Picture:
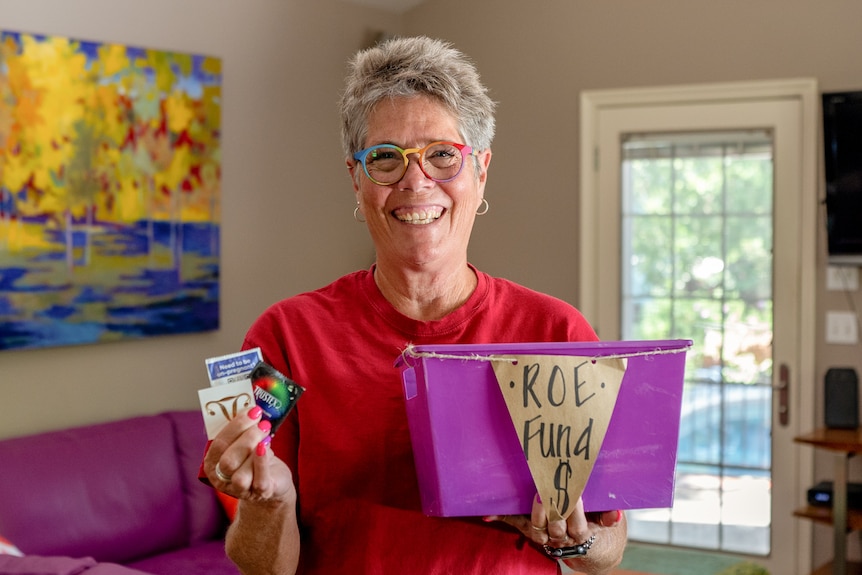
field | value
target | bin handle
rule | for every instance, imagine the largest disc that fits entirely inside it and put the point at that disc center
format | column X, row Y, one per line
column 409, row 378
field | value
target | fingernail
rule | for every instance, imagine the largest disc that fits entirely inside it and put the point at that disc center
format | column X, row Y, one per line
column 264, row 425
column 617, row 520
column 538, row 499
column 254, row 412
column 260, row 450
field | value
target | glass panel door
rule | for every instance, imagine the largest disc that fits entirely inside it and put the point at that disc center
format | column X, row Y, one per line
column 697, row 263
column 692, row 252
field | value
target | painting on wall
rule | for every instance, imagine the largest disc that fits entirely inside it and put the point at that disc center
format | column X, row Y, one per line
column 110, row 179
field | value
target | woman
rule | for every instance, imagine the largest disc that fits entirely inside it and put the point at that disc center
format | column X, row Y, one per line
column 336, row 490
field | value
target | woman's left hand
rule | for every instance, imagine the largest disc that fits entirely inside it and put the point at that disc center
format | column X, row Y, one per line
column 603, row 533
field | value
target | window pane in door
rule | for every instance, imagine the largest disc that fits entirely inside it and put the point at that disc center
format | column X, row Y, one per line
column 697, row 264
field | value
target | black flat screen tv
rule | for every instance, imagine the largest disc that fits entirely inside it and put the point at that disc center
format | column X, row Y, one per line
column 842, row 147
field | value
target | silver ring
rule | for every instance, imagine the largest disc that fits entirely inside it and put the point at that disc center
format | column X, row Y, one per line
column 221, row 474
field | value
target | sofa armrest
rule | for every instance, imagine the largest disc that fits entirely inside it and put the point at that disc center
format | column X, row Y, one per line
column 44, row 565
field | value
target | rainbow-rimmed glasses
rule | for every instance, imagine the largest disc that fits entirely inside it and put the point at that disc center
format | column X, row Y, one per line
column 386, row 164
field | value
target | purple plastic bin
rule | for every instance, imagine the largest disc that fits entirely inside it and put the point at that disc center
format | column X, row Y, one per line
column 468, row 455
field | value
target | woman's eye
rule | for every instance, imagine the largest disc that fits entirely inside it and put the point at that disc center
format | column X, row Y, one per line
column 383, row 155
column 443, row 152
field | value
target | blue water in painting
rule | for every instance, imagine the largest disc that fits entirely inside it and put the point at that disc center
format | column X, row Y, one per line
column 110, row 283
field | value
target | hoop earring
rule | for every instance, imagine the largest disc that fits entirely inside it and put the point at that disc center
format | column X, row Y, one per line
column 483, row 208
column 357, row 213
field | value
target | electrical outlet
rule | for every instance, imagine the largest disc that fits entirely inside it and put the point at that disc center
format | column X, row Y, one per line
column 842, row 278
column 841, row 327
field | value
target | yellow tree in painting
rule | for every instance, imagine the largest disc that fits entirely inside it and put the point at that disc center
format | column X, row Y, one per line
column 83, row 133
column 48, row 81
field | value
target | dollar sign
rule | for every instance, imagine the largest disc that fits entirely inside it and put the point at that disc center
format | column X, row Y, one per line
column 561, row 482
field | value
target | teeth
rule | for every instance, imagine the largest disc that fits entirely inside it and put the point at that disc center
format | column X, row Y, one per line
column 419, row 217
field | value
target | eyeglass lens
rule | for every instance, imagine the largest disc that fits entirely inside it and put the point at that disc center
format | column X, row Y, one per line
column 439, row 161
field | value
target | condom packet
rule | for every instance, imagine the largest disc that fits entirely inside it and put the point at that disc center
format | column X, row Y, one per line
column 232, row 367
column 236, row 380
column 274, row 393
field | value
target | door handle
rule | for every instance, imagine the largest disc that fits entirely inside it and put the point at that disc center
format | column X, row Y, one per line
column 783, row 388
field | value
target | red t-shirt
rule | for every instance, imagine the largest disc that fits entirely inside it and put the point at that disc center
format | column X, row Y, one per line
column 347, row 440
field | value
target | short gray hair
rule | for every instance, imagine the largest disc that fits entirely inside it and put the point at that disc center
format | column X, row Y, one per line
column 415, row 66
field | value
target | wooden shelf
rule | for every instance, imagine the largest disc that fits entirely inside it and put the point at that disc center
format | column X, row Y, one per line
column 852, row 569
column 845, row 440
column 822, row 514
column 844, row 443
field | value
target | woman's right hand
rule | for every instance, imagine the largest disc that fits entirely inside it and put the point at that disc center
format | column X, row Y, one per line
column 240, row 463
column 264, row 536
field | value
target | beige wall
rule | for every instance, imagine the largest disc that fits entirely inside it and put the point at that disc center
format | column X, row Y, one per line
column 537, row 58
column 282, row 233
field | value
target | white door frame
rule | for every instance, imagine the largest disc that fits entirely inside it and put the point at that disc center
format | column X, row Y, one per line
column 803, row 90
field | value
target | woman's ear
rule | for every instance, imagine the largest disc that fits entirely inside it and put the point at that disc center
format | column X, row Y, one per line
column 484, row 162
column 354, row 175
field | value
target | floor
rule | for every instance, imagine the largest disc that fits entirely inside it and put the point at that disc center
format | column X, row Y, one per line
column 646, row 559
column 732, row 515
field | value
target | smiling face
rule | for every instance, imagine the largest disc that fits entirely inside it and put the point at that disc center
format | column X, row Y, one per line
column 418, row 222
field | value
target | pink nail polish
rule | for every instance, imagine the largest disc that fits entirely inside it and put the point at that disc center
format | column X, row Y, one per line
column 260, row 450
column 254, row 412
column 264, row 425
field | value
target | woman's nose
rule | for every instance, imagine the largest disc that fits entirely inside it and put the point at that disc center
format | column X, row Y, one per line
column 414, row 175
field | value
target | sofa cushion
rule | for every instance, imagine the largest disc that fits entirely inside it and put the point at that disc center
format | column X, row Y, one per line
column 208, row 558
column 112, row 491
column 36, row 565
column 207, row 519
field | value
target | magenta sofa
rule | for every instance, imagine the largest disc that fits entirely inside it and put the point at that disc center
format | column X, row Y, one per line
column 116, row 498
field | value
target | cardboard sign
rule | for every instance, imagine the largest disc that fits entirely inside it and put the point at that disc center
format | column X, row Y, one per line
column 561, row 407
